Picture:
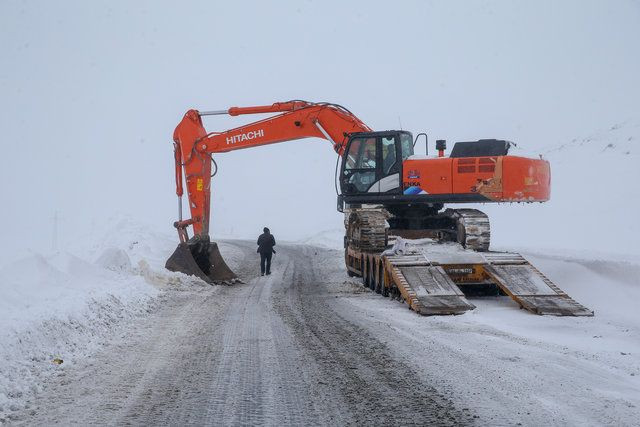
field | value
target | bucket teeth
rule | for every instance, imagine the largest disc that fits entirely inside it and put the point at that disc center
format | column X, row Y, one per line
column 203, row 260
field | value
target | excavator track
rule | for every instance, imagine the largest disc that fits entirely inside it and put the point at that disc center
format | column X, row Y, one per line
column 474, row 231
column 366, row 229
column 468, row 227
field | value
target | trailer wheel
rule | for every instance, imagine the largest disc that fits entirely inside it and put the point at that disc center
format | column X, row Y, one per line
column 363, row 268
column 372, row 275
column 379, row 278
column 348, row 264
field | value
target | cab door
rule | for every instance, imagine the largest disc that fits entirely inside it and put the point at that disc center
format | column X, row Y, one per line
column 388, row 178
column 373, row 164
column 359, row 165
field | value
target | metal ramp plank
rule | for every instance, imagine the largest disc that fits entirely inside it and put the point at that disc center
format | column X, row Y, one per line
column 430, row 281
column 522, row 280
column 429, row 290
column 556, row 305
column 504, row 258
column 444, row 304
column 533, row 290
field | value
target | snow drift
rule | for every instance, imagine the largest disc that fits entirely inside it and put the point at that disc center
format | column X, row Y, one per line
column 65, row 306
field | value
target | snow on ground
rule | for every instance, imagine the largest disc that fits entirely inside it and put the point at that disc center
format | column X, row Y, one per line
column 329, row 239
column 66, row 305
column 583, row 371
column 609, row 288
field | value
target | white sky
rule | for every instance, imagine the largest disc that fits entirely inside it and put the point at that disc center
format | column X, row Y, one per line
column 91, row 93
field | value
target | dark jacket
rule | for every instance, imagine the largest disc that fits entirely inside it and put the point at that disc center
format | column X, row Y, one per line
column 266, row 242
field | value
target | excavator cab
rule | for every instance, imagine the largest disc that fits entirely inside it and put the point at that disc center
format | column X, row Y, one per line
column 372, row 162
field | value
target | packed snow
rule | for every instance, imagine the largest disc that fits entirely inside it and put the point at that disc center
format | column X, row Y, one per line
column 518, row 365
column 65, row 306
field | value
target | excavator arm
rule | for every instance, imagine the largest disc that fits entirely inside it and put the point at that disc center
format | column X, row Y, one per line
column 194, row 146
column 193, row 150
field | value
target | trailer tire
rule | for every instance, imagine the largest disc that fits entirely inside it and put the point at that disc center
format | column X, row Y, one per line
column 379, row 274
column 372, row 275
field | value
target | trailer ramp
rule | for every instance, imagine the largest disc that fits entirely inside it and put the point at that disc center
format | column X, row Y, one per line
column 526, row 285
column 422, row 271
column 425, row 287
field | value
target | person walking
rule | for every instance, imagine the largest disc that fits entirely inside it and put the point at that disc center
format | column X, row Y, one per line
column 266, row 242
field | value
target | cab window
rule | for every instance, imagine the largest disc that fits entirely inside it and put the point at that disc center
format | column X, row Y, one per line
column 362, row 154
column 406, row 142
column 388, row 153
column 360, row 167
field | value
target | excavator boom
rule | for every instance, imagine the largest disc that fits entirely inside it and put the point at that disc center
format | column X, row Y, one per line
column 298, row 119
column 193, row 149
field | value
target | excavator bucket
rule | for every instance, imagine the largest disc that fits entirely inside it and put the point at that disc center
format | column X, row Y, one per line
column 201, row 259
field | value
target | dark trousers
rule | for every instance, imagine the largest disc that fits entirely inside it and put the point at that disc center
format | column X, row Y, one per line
column 265, row 257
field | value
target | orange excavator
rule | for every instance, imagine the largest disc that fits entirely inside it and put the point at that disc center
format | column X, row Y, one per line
column 385, row 188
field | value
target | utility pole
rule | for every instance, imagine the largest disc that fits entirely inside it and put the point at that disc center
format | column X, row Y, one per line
column 54, row 238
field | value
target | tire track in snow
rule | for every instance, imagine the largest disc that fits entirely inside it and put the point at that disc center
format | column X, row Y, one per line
column 272, row 351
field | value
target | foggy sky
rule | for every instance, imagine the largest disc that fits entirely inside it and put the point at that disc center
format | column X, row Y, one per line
column 91, row 93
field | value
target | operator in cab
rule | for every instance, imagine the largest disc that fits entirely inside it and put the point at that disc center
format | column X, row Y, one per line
column 266, row 242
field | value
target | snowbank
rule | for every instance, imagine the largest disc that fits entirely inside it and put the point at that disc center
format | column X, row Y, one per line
column 610, row 288
column 65, row 306
column 329, row 239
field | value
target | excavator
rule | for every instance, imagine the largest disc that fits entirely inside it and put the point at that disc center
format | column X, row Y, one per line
column 390, row 197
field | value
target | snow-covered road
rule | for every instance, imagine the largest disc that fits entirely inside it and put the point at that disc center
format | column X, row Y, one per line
column 270, row 351
column 308, row 346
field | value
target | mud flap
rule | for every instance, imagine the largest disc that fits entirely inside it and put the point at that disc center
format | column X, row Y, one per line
column 201, row 259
